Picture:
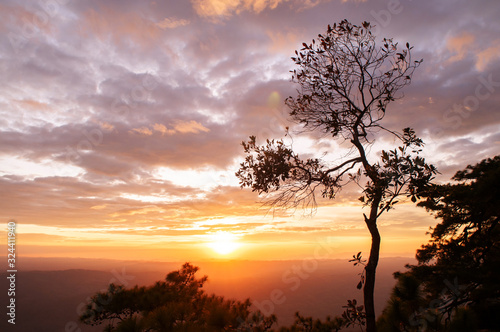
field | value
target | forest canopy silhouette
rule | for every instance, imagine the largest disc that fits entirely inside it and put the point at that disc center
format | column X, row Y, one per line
column 176, row 304
column 455, row 285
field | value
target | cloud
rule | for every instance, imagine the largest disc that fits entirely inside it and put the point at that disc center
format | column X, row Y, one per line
column 218, row 9
column 460, row 45
column 106, row 126
column 467, row 44
column 142, row 131
column 171, row 23
column 215, row 7
column 33, row 105
column 281, row 41
column 190, row 127
column 24, row 22
column 105, row 24
column 489, row 55
column 162, row 129
column 182, row 127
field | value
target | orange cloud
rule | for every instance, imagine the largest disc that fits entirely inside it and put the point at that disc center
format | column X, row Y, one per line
column 162, row 129
column 459, row 46
column 99, row 207
column 142, row 131
column 486, row 56
column 183, row 127
column 106, row 126
column 464, row 43
column 259, row 5
column 225, row 8
column 208, row 8
column 33, row 104
column 170, row 23
column 190, row 127
column 138, row 211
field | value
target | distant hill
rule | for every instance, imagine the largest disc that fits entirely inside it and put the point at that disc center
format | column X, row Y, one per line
column 49, row 300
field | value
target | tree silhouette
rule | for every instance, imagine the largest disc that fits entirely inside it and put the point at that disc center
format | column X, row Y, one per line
column 346, row 82
column 176, row 304
column 407, row 297
column 308, row 324
column 459, row 268
column 352, row 316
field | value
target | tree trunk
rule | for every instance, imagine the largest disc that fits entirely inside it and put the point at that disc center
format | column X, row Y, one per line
column 371, row 223
column 370, row 269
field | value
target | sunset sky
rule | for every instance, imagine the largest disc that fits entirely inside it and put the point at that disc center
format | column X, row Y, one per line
column 122, row 122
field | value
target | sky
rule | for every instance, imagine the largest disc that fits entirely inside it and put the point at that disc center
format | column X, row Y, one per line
column 122, row 121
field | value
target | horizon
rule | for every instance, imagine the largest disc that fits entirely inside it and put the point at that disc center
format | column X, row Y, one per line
column 74, row 263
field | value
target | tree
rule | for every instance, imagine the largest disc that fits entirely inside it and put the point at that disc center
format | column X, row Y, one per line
column 345, row 85
column 406, row 298
column 308, row 324
column 352, row 316
column 458, row 270
column 177, row 304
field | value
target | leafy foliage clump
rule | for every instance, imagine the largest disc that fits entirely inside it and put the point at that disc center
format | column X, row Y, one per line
column 176, row 304
column 455, row 282
column 347, row 80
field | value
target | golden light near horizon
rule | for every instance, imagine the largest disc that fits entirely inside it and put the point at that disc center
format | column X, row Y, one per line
column 224, row 243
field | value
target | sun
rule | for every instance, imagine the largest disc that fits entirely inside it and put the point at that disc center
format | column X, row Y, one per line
column 223, row 243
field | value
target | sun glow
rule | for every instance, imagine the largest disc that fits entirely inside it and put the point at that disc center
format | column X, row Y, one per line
column 223, row 243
